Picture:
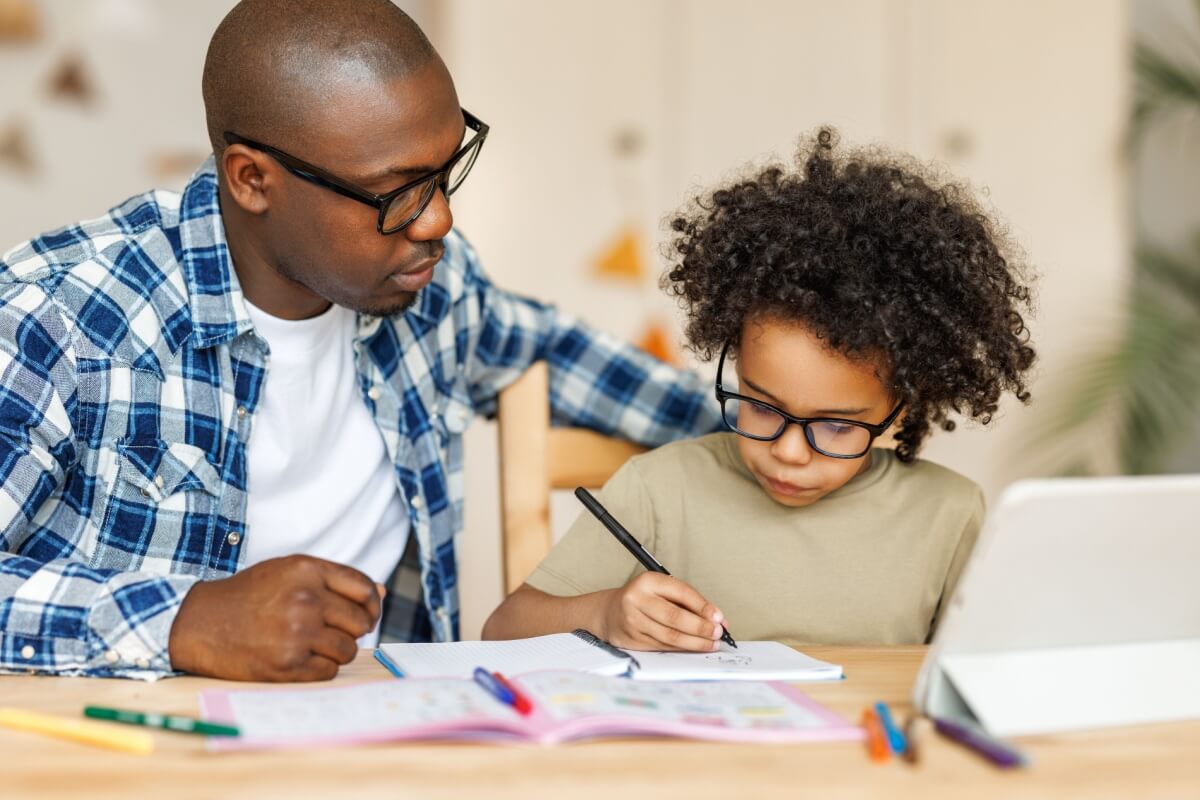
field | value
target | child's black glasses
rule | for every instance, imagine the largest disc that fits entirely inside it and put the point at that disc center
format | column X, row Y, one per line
column 829, row 436
column 400, row 207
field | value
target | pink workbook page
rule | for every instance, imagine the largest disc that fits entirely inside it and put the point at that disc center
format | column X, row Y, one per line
column 567, row 706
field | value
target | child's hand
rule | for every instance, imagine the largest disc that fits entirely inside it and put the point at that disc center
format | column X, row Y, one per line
column 658, row 612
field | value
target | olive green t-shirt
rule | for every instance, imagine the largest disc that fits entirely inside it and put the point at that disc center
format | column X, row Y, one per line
column 868, row 564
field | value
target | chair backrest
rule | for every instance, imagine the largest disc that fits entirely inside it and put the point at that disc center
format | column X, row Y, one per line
column 535, row 459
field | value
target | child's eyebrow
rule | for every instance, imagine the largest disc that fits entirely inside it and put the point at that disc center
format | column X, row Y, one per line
column 761, row 390
column 820, row 412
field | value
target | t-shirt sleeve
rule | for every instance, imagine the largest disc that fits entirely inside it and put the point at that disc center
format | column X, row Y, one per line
column 588, row 558
column 962, row 553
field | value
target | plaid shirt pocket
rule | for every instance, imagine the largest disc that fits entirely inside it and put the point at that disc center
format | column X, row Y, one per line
column 158, row 469
column 162, row 489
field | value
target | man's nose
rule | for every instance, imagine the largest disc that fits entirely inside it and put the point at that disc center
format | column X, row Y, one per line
column 435, row 220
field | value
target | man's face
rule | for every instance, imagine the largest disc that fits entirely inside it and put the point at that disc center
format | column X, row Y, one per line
column 377, row 136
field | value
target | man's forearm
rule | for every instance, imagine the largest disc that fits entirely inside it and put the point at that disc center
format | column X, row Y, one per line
column 596, row 380
column 631, row 394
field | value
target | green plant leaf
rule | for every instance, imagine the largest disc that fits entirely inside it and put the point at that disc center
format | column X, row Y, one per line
column 1173, row 274
column 1159, row 393
column 1137, row 394
column 1143, row 390
column 1165, row 85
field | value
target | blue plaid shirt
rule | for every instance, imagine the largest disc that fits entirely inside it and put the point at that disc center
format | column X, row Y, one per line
column 129, row 378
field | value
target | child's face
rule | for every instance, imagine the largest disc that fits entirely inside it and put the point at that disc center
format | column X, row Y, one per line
column 787, row 366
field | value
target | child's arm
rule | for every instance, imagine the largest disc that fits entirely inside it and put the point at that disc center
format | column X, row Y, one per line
column 651, row 612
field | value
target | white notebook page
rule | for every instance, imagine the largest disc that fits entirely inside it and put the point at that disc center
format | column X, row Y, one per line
column 563, row 651
column 758, row 661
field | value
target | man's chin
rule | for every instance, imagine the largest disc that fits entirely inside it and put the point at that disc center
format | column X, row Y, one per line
column 392, row 307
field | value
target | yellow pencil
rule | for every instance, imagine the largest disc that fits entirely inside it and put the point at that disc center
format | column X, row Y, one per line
column 96, row 733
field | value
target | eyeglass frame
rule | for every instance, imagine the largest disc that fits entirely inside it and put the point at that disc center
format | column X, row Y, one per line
column 724, row 394
column 327, row 180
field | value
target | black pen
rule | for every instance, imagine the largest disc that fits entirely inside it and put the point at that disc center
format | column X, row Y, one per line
column 631, row 544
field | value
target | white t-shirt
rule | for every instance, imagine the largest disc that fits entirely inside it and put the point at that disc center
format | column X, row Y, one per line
column 320, row 479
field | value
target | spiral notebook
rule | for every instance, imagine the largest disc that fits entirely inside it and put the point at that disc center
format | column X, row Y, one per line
column 582, row 652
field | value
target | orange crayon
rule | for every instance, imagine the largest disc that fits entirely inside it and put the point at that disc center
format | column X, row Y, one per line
column 877, row 745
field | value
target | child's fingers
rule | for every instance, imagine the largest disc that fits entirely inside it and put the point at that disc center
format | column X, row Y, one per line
column 683, row 595
column 665, row 637
column 677, row 618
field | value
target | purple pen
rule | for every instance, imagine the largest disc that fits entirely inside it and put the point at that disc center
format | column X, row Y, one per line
column 999, row 753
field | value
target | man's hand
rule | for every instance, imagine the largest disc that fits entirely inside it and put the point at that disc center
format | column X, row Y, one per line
column 285, row 619
column 658, row 612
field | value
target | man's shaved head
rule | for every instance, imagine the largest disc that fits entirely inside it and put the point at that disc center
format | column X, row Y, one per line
column 355, row 88
column 270, row 61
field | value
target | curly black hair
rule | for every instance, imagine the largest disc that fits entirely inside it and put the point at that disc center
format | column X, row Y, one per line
column 876, row 256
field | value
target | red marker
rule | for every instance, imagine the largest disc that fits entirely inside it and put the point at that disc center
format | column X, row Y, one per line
column 520, row 701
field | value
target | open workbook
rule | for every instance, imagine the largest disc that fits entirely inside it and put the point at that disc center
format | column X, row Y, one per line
column 565, row 706
column 751, row 661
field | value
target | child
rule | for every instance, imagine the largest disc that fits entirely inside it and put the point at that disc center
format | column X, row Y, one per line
column 854, row 295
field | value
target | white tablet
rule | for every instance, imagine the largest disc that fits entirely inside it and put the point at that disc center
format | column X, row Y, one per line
column 1079, row 608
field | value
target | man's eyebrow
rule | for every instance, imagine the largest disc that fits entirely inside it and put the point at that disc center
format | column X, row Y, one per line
column 820, row 412
column 411, row 172
column 399, row 172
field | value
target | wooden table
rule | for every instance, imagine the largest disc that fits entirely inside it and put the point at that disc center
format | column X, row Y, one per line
column 1151, row 761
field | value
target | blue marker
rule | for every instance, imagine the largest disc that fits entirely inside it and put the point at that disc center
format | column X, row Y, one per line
column 895, row 738
column 493, row 687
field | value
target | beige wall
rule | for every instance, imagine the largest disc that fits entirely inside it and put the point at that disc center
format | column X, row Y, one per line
column 144, row 59
column 1024, row 98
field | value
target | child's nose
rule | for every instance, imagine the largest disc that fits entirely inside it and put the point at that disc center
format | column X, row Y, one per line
column 792, row 447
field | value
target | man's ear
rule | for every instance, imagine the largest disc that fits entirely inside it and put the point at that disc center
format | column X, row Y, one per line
column 249, row 174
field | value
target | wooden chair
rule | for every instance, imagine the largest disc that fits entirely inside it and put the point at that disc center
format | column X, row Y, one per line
column 535, row 459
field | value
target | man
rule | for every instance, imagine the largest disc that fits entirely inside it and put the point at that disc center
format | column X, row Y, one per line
column 225, row 414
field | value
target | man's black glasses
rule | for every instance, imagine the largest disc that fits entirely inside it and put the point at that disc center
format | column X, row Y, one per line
column 400, row 207
column 829, row 436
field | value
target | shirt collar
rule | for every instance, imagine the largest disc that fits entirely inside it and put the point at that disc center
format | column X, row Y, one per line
column 218, row 307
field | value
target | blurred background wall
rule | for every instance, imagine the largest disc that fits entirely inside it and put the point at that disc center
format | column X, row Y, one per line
column 1165, row 154
column 607, row 116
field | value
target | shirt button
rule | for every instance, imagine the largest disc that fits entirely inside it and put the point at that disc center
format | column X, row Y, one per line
column 441, row 614
column 27, row 652
column 111, row 656
column 416, row 501
column 241, row 412
column 373, row 393
column 158, row 481
column 233, row 538
column 143, row 663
